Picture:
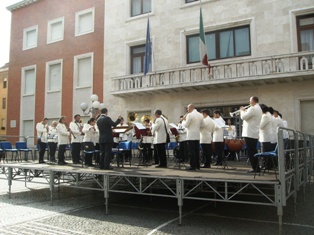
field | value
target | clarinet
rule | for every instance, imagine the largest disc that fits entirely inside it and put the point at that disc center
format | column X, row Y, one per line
column 69, row 129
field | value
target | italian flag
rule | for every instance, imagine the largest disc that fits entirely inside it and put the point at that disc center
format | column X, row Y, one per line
column 202, row 43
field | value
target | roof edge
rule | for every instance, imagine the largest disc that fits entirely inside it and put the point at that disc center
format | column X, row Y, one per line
column 21, row 4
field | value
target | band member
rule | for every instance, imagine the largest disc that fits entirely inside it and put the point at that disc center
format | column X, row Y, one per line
column 53, row 140
column 218, row 137
column 147, row 142
column 105, row 125
column 160, row 130
column 182, row 139
column 42, row 134
column 251, row 120
column 63, row 139
column 91, row 133
column 76, row 139
column 206, row 138
column 194, row 122
column 231, row 133
column 265, row 134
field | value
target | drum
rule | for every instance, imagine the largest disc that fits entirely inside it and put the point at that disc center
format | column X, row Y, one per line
column 234, row 145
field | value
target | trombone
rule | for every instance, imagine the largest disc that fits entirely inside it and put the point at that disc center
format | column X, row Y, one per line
column 237, row 112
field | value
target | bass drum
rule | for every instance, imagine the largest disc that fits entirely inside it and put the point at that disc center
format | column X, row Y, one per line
column 234, row 145
column 176, row 152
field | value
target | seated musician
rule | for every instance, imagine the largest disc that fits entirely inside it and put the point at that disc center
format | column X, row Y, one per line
column 231, row 133
column 182, row 139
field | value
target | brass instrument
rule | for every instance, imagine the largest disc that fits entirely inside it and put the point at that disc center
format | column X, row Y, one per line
column 132, row 117
column 149, row 117
column 237, row 112
column 184, row 116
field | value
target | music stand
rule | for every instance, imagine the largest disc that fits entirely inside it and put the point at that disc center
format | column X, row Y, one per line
column 140, row 131
column 116, row 131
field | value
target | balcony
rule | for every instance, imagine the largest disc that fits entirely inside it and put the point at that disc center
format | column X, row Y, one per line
column 296, row 67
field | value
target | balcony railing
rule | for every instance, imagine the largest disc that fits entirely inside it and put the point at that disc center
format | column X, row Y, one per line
column 231, row 71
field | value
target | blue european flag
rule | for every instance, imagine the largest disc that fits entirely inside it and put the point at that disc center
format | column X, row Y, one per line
column 148, row 51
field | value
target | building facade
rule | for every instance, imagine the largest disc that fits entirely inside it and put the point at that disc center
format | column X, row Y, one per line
column 255, row 48
column 4, row 72
column 56, row 60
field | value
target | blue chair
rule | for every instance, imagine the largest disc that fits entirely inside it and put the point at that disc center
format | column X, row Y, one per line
column 2, row 156
column 272, row 155
column 135, row 149
column 170, row 147
column 6, row 146
column 120, row 152
column 22, row 148
column 88, row 148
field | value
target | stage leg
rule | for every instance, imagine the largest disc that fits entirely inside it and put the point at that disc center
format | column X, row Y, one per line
column 106, row 191
column 180, row 198
column 51, row 182
column 10, row 180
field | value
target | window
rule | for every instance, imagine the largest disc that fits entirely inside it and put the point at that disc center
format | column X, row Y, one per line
column 29, row 81
column 139, row 7
column 84, row 70
column 188, row 1
column 4, row 103
column 55, row 30
column 54, row 75
column 84, row 22
column 305, row 29
column 221, row 44
column 138, row 59
column 30, row 37
column 3, row 123
column 5, row 83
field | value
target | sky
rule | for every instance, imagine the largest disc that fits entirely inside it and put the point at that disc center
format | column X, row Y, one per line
column 5, row 28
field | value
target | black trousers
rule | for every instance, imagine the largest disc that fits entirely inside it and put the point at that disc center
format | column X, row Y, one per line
column 52, row 150
column 42, row 150
column 161, row 153
column 194, row 153
column 206, row 153
column 219, row 149
column 251, row 151
column 61, row 152
column 267, row 161
column 156, row 158
column 76, row 152
column 184, row 151
column 147, row 152
column 105, row 155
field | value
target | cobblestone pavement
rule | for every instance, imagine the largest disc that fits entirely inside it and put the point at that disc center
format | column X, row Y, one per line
column 83, row 212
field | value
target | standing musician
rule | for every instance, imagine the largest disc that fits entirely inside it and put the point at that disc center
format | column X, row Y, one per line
column 218, row 137
column 160, row 130
column 76, row 139
column 105, row 125
column 194, row 123
column 206, row 138
column 251, row 120
column 91, row 133
column 182, row 139
column 64, row 133
column 53, row 140
column 42, row 131
column 147, row 142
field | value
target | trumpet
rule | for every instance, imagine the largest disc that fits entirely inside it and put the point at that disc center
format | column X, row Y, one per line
column 184, row 116
column 237, row 112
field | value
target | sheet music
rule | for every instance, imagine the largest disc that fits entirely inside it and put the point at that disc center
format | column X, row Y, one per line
column 172, row 125
column 120, row 130
column 219, row 123
column 140, row 126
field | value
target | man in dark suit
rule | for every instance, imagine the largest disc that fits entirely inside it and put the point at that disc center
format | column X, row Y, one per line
column 105, row 125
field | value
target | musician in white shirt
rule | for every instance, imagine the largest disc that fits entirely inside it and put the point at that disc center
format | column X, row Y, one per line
column 194, row 123
column 91, row 134
column 63, row 139
column 42, row 134
column 147, row 142
column 206, row 138
column 183, row 143
column 218, row 137
column 160, row 129
column 251, row 120
column 52, row 140
column 76, row 138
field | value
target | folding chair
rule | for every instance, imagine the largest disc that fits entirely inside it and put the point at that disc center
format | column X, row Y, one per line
column 119, row 152
column 271, row 155
column 88, row 148
column 178, row 157
column 6, row 146
column 170, row 147
column 22, row 147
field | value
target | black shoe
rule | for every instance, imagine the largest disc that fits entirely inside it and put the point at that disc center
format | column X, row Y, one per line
column 42, row 162
column 218, row 164
column 205, row 166
column 160, row 166
column 253, row 171
column 90, row 164
column 191, row 169
column 108, row 168
column 61, row 163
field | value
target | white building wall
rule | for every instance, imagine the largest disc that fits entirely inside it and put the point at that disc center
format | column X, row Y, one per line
column 272, row 25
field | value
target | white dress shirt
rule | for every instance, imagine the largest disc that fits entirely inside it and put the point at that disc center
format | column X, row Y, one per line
column 42, row 132
column 193, row 124
column 76, row 128
column 182, row 131
column 53, row 134
column 63, row 134
column 251, row 120
column 218, row 135
column 159, row 130
column 266, row 128
column 91, row 133
column 207, row 131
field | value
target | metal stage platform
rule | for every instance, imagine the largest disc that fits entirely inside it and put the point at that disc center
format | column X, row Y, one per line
column 217, row 184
